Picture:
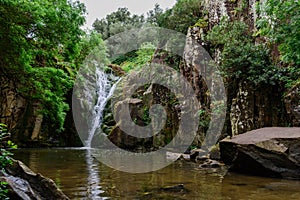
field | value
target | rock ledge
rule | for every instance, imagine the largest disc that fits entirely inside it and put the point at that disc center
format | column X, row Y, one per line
column 271, row 152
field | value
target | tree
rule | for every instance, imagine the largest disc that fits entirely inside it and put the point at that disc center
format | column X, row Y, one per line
column 154, row 15
column 280, row 23
column 185, row 13
column 241, row 59
column 117, row 22
column 91, row 43
column 39, row 44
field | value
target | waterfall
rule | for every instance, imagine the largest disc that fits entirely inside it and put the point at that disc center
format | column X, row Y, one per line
column 104, row 90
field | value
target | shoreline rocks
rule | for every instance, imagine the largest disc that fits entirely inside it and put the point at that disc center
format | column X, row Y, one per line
column 24, row 184
column 272, row 152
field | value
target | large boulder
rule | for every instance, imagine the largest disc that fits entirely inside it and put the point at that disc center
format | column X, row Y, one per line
column 271, row 152
column 24, row 184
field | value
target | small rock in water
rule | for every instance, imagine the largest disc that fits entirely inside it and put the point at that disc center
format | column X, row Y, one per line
column 176, row 156
column 185, row 157
column 197, row 153
column 201, row 159
column 211, row 164
column 214, row 153
column 175, row 188
column 172, row 156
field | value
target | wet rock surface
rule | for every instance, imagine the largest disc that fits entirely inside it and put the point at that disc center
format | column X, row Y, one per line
column 23, row 183
column 211, row 164
column 199, row 157
column 271, row 152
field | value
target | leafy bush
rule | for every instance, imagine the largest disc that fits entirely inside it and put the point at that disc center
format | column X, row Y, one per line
column 184, row 14
column 144, row 55
column 4, row 157
column 242, row 59
column 280, row 23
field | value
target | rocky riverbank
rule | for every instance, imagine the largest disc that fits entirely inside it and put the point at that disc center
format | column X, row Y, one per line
column 273, row 152
column 23, row 183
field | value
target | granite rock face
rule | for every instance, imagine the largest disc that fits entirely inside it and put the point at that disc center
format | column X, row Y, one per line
column 271, row 152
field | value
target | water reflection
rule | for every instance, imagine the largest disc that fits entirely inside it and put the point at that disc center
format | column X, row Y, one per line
column 93, row 180
column 81, row 176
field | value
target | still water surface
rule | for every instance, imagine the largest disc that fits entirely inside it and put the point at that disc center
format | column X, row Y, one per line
column 80, row 176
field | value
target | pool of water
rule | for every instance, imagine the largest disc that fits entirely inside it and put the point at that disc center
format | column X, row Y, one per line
column 80, row 176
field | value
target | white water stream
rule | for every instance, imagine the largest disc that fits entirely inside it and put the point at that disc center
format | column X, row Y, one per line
column 104, row 90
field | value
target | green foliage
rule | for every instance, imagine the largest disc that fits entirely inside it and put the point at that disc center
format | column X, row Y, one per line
column 280, row 23
column 184, row 14
column 204, row 119
column 3, row 190
column 117, row 22
column 39, row 47
column 144, row 55
column 202, row 23
column 130, row 56
column 241, row 58
column 293, row 76
column 92, row 43
column 146, row 117
column 4, row 157
column 154, row 15
column 122, row 20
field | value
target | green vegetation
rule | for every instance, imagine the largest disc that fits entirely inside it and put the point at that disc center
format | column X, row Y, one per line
column 280, row 24
column 154, row 15
column 4, row 157
column 143, row 56
column 241, row 58
column 39, row 44
column 122, row 20
column 184, row 14
column 204, row 119
column 117, row 22
column 42, row 47
column 91, row 44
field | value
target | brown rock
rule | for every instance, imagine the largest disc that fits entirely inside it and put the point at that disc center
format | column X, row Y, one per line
column 23, row 183
column 268, row 151
column 117, row 70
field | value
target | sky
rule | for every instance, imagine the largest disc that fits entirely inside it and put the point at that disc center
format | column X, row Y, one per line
column 100, row 8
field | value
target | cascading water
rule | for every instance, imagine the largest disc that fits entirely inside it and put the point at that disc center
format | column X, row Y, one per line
column 104, row 90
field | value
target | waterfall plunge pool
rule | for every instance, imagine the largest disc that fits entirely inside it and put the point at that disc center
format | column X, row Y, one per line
column 80, row 176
